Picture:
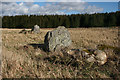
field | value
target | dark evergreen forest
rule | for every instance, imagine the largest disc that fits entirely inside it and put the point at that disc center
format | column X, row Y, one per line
column 70, row 21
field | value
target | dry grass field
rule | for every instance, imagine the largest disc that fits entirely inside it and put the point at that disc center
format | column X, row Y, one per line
column 23, row 55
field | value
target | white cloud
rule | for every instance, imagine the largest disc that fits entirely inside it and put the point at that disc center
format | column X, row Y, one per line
column 34, row 8
column 93, row 9
column 0, row 8
column 42, row 0
column 12, row 8
column 73, row 6
column 64, row 0
column 28, row 4
column 17, row 0
column 59, row 0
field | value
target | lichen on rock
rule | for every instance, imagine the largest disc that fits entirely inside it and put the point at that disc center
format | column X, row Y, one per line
column 57, row 39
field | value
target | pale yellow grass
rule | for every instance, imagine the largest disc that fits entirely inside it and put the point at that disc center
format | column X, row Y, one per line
column 18, row 61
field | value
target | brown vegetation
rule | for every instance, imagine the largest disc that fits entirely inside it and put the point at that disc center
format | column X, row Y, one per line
column 23, row 55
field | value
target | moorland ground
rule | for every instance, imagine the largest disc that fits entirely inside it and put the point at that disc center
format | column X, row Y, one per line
column 23, row 55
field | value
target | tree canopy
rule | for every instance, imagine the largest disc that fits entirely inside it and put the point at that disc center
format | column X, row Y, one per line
column 69, row 21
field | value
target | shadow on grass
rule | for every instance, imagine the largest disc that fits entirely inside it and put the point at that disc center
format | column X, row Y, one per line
column 41, row 46
column 66, row 60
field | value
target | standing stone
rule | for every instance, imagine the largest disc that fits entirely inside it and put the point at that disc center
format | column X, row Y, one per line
column 36, row 29
column 57, row 39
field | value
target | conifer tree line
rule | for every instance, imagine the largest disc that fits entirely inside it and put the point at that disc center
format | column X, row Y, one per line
column 70, row 21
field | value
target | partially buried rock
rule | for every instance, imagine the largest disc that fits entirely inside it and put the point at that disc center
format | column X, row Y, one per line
column 101, row 57
column 91, row 58
column 91, row 55
column 36, row 29
column 57, row 39
column 23, row 31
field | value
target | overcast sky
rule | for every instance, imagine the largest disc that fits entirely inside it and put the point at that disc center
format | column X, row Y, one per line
column 42, row 7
